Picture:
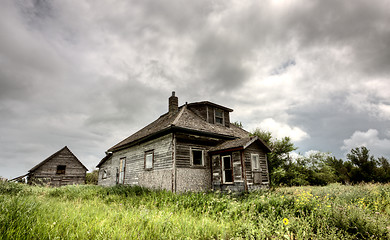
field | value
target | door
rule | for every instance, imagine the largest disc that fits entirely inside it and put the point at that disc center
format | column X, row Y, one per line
column 227, row 169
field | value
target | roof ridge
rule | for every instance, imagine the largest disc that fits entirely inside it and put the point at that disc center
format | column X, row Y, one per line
column 47, row 159
column 52, row 156
column 179, row 115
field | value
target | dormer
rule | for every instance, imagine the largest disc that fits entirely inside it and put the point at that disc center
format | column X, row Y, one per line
column 211, row 112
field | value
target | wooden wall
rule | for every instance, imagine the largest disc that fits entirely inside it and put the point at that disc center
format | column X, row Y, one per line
column 46, row 174
column 256, row 149
column 206, row 112
column 238, row 170
column 135, row 173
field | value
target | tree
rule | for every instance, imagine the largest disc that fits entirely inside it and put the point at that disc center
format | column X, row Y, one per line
column 92, row 177
column 341, row 169
column 279, row 156
column 383, row 171
column 238, row 124
column 365, row 165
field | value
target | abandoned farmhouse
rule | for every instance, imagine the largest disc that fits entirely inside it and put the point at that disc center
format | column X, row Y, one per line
column 193, row 147
column 60, row 169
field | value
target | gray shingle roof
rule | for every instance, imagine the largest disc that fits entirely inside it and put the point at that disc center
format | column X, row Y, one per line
column 184, row 118
column 240, row 143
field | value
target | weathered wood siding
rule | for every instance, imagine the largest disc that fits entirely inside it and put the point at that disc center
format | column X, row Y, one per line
column 206, row 112
column 192, row 178
column 200, row 110
column 47, row 173
column 135, row 173
column 256, row 149
column 238, row 179
column 111, row 167
column 226, row 118
column 183, row 154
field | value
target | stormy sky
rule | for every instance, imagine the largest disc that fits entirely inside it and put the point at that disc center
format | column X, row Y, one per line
column 87, row 74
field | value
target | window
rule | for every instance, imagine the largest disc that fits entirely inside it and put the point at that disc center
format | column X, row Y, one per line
column 227, row 169
column 256, row 169
column 122, row 167
column 255, row 162
column 197, row 157
column 61, row 169
column 104, row 174
column 149, row 159
column 218, row 116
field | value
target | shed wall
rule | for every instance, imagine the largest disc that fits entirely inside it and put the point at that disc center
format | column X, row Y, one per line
column 46, row 174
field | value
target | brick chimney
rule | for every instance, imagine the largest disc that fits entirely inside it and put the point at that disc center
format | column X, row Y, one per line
column 173, row 103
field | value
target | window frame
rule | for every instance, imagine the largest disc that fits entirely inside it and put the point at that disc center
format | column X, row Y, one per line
column 122, row 170
column 192, row 157
column 147, row 153
column 257, row 160
column 229, row 169
column 222, row 116
column 104, row 174
column 61, row 171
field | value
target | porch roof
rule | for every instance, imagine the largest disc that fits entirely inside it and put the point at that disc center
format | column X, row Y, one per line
column 239, row 144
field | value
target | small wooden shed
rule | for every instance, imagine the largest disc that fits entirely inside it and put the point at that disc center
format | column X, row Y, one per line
column 60, row 169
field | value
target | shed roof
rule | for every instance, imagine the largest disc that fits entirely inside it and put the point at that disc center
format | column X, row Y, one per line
column 183, row 119
column 54, row 155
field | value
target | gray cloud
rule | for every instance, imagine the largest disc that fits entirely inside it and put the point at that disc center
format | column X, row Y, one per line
column 87, row 74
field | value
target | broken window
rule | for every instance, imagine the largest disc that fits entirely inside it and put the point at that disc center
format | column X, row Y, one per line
column 256, row 169
column 149, row 159
column 61, row 169
column 197, row 157
column 104, row 174
column 255, row 162
column 227, row 169
column 122, row 167
column 218, row 116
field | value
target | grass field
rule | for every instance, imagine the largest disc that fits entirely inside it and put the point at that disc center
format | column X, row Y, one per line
column 93, row 212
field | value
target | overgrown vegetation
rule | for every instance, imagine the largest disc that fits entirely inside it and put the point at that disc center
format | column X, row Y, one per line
column 92, row 177
column 318, row 168
column 94, row 212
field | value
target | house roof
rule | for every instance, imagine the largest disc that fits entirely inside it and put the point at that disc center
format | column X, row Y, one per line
column 109, row 154
column 54, row 155
column 240, row 143
column 184, row 119
column 210, row 103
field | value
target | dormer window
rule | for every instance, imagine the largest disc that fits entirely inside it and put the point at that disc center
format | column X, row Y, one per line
column 218, row 116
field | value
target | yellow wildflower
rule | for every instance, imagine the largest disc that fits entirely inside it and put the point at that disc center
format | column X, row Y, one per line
column 285, row 221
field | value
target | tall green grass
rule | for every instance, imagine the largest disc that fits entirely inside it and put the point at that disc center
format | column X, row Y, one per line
column 94, row 212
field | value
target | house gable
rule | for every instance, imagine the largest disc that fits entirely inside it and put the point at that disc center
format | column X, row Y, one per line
column 232, row 167
column 61, row 168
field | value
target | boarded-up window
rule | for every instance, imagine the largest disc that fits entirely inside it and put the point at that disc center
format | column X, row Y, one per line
column 255, row 162
column 256, row 169
column 227, row 169
column 215, row 161
column 197, row 157
column 61, row 169
column 149, row 158
column 122, row 167
column 218, row 116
